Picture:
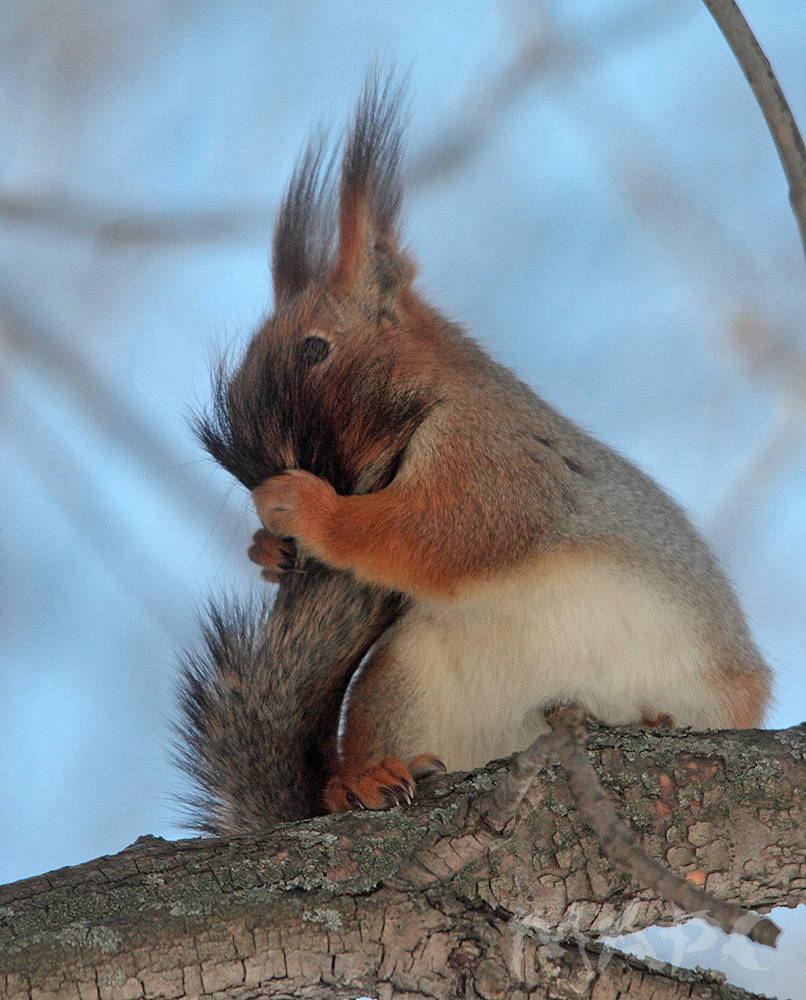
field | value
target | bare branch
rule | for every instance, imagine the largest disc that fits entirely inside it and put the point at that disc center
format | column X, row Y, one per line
column 500, row 806
column 779, row 117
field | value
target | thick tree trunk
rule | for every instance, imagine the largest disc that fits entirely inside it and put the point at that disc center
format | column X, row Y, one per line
column 411, row 902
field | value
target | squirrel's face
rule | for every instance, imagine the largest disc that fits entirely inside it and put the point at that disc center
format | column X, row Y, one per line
column 330, row 329
column 341, row 375
column 327, row 385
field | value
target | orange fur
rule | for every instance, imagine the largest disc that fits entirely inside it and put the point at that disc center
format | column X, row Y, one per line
column 745, row 694
column 381, row 537
column 429, row 533
column 270, row 552
column 373, row 786
column 352, row 238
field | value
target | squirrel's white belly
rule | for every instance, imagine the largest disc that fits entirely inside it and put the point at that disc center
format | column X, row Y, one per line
column 486, row 664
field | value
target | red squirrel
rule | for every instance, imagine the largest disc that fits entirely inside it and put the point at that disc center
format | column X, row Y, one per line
column 445, row 542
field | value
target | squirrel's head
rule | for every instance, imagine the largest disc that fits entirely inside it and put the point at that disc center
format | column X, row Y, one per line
column 339, row 377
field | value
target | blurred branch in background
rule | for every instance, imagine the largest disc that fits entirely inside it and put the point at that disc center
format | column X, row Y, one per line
column 758, row 341
column 136, row 206
column 118, row 227
column 768, row 356
column 542, row 55
column 86, row 504
column 67, row 370
column 74, row 486
column 539, row 56
column 729, row 286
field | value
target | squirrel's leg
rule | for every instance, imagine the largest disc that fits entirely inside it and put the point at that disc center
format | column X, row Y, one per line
column 381, row 537
column 377, row 765
column 274, row 554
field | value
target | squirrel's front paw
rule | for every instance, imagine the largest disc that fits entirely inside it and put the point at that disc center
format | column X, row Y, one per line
column 379, row 786
column 295, row 504
column 274, row 554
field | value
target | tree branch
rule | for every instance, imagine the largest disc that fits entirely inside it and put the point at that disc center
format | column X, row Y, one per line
column 355, row 905
column 770, row 96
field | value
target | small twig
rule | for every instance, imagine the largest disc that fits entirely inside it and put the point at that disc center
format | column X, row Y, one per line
column 776, row 110
column 500, row 806
column 565, row 744
column 621, row 848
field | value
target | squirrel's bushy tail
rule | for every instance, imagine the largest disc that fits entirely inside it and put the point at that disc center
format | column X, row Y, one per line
column 257, row 726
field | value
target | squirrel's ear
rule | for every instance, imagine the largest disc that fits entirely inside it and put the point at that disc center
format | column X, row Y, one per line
column 303, row 233
column 369, row 258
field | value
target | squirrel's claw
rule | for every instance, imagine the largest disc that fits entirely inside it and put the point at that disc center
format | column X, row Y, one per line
column 425, row 765
column 379, row 786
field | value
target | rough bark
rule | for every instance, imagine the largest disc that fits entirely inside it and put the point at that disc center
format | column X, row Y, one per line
column 359, row 905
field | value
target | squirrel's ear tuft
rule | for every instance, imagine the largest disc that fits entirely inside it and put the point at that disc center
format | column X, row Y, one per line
column 304, row 231
column 358, row 246
column 369, row 257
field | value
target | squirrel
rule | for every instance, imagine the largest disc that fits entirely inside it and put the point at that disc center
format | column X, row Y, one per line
column 453, row 556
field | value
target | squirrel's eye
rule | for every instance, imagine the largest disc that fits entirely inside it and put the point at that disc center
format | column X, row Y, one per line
column 314, row 350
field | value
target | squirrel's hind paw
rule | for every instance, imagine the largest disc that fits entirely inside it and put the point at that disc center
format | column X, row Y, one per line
column 661, row 721
column 375, row 787
column 379, row 786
